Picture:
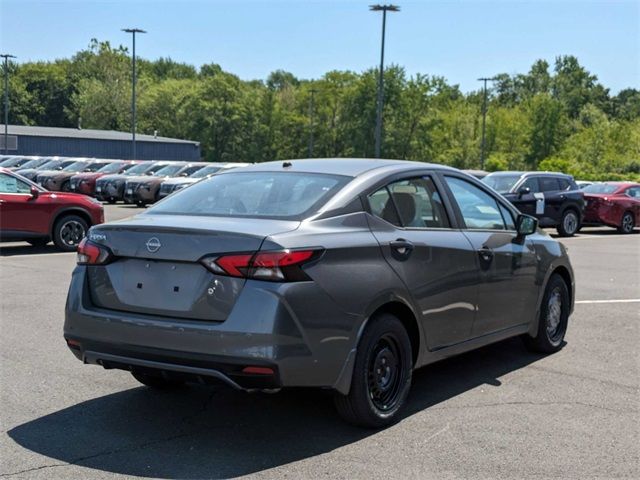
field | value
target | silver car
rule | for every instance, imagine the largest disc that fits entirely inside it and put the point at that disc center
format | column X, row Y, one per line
column 344, row 274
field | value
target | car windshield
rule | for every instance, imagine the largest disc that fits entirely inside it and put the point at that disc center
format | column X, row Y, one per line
column 32, row 163
column 139, row 169
column 500, row 182
column 14, row 162
column 111, row 167
column 75, row 167
column 600, row 188
column 168, row 171
column 203, row 172
column 285, row 195
column 95, row 166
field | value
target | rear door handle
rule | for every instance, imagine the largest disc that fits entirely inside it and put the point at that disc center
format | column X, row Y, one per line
column 401, row 248
column 486, row 254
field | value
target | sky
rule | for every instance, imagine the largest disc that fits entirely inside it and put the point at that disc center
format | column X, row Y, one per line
column 459, row 40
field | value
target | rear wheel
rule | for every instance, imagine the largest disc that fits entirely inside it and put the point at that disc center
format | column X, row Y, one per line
column 554, row 318
column 569, row 223
column 627, row 224
column 381, row 376
column 68, row 231
column 157, row 381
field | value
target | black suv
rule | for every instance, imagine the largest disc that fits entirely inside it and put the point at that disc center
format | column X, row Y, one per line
column 554, row 198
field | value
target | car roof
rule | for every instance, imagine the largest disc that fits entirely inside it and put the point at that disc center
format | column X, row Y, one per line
column 351, row 167
column 526, row 174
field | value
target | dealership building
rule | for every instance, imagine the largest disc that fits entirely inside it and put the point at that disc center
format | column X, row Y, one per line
column 74, row 142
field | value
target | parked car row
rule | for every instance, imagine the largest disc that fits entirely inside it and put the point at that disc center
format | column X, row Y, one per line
column 557, row 201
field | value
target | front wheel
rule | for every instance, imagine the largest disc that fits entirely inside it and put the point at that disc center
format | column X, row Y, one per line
column 554, row 318
column 381, row 375
column 569, row 223
column 627, row 224
column 68, row 232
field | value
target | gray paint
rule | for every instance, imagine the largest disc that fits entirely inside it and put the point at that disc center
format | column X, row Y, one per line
column 310, row 330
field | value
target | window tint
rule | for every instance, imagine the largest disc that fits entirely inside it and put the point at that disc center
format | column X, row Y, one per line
column 532, row 184
column 549, row 184
column 507, row 216
column 254, row 194
column 382, row 206
column 564, row 184
column 634, row 192
column 479, row 209
column 9, row 184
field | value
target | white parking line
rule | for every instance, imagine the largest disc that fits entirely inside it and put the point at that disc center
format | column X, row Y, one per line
column 36, row 255
column 625, row 300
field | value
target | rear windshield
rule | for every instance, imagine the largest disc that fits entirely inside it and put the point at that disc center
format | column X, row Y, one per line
column 284, row 195
column 500, row 182
column 111, row 167
column 601, row 188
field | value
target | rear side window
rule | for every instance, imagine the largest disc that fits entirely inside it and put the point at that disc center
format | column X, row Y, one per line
column 480, row 211
column 549, row 184
column 412, row 203
column 285, row 195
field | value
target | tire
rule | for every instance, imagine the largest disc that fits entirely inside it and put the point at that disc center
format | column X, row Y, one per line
column 627, row 223
column 111, row 200
column 157, row 381
column 569, row 223
column 68, row 231
column 376, row 397
column 140, row 204
column 39, row 242
column 554, row 318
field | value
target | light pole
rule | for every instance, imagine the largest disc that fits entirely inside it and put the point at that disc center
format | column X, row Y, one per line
column 133, row 32
column 384, row 9
column 311, row 112
column 484, row 118
column 6, row 57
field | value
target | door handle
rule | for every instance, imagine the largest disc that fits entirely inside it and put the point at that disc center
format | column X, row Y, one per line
column 401, row 248
column 486, row 254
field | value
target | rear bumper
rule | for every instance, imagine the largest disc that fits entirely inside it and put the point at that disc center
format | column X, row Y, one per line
column 294, row 329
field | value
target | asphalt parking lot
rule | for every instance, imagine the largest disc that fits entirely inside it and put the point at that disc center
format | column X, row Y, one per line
column 499, row 412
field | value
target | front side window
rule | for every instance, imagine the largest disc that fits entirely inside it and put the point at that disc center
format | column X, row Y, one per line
column 532, row 184
column 633, row 192
column 564, row 184
column 285, row 195
column 10, row 184
column 480, row 211
column 507, row 217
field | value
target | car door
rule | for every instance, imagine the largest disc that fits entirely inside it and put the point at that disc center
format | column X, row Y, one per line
column 530, row 203
column 20, row 213
column 634, row 194
column 435, row 261
column 554, row 196
column 507, row 292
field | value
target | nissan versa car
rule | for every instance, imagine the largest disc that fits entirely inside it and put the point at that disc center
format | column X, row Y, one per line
column 170, row 185
column 344, row 274
column 30, row 213
column 86, row 182
column 111, row 187
column 61, row 180
column 146, row 189
column 553, row 198
column 52, row 165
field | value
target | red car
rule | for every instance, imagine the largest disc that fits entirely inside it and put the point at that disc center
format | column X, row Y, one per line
column 29, row 212
column 615, row 204
column 86, row 182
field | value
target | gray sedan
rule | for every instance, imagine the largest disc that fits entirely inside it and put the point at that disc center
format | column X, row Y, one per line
column 344, row 274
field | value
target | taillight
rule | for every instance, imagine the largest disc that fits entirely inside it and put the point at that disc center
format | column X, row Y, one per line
column 91, row 254
column 279, row 266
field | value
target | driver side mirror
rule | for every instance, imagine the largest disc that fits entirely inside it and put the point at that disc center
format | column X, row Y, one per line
column 526, row 225
column 35, row 193
column 523, row 191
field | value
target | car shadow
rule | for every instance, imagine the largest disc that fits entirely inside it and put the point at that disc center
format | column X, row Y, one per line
column 26, row 249
column 206, row 432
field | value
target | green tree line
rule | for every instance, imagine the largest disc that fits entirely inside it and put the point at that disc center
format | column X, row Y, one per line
column 555, row 117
